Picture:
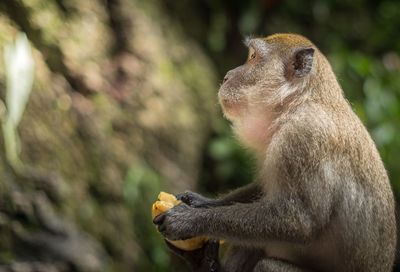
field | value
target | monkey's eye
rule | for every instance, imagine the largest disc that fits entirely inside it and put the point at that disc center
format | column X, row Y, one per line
column 252, row 53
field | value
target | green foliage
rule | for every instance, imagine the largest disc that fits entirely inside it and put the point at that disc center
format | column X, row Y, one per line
column 141, row 186
column 227, row 164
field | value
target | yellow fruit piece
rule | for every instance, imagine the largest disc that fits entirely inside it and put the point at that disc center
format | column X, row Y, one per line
column 164, row 203
column 163, row 196
column 189, row 244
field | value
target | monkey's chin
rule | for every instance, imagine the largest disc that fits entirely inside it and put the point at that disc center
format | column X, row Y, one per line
column 232, row 105
column 232, row 110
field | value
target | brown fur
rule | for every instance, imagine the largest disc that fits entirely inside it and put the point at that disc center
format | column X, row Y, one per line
column 290, row 40
column 322, row 200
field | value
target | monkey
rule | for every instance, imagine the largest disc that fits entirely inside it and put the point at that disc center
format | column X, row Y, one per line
column 321, row 199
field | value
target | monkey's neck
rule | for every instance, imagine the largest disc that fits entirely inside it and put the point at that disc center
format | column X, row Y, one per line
column 255, row 130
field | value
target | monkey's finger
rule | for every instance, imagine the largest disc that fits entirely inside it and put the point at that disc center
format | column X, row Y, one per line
column 159, row 219
column 185, row 197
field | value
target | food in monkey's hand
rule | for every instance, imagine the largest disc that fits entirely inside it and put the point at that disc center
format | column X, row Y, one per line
column 164, row 203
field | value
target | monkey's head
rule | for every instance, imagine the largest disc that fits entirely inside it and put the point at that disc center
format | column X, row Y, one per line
column 277, row 70
column 277, row 66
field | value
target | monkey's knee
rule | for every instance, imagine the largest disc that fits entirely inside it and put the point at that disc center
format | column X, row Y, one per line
column 273, row 265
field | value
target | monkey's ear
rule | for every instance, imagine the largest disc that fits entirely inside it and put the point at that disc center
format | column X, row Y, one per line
column 300, row 63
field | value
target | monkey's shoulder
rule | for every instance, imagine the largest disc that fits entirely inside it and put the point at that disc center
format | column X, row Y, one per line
column 310, row 123
column 313, row 132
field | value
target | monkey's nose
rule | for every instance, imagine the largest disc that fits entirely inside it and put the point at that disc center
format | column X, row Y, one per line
column 228, row 75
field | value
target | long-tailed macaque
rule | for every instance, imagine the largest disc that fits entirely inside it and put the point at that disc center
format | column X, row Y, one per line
column 322, row 200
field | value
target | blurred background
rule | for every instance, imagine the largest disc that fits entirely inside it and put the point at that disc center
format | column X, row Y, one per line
column 103, row 103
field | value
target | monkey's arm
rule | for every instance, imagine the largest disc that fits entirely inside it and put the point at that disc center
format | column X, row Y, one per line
column 300, row 208
column 287, row 218
column 246, row 194
column 283, row 219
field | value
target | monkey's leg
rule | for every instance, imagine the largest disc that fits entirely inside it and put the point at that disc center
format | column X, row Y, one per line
column 204, row 259
column 245, row 259
column 273, row 265
column 241, row 259
column 245, row 194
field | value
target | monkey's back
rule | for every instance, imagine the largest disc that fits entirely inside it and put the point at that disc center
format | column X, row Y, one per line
column 366, row 208
column 361, row 232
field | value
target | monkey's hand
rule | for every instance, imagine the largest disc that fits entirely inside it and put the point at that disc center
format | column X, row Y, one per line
column 204, row 259
column 196, row 200
column 178, row 223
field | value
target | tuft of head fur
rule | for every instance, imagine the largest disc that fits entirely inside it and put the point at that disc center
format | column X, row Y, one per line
column 288, row 40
